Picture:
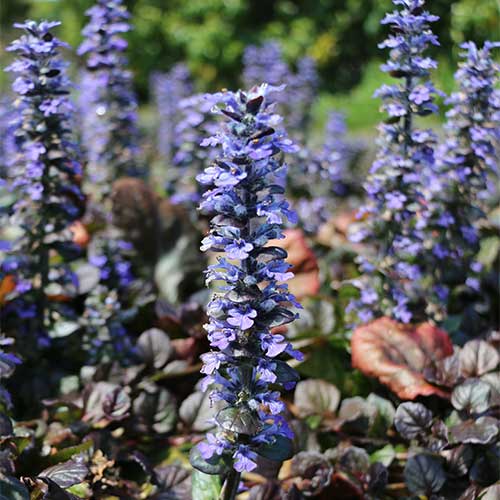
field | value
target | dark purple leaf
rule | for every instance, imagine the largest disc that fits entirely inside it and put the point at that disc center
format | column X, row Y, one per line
column 412, row 420
column 424, row 474
column 155, row 347
column 66, row 474
column 480, row 431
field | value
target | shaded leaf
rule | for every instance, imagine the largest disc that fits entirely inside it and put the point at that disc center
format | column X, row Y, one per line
column 354, row 460
column 397, row 354
column 378, row 477
column 12, row 489
column 356, row 414
column 116, row 404
column 174, row 483
column 412, row 420
column 316, row 397
column 384, row 417
column 154, row 408
column 458, row 460
column 314, row 471
column 280, row 450
column 155, row 347
column 197, row 411
column 216, row 465
column 424, row 474
column 480, row 431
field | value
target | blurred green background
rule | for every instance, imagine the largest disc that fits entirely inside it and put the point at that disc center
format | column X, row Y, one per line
column 210, row 35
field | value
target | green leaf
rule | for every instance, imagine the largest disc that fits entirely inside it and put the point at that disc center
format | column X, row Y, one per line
column 489, row 250
column 67, row 453
column 205, row 486
column 424, row 474
column 384, row 455
column 216, row 465
column 12, row 489
column 326, row 363
column 279, row 451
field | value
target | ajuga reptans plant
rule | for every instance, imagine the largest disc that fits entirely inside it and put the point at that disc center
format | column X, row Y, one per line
column 168, row 90
column 45, row 176
column 465, row 162
column 393, row 220
column 107, row 103
column 245, row 197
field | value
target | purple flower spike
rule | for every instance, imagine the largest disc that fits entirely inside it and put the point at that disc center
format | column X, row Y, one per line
column 393, row 220
column 248, row 211
column 43, row 171
column 107, row 101
column 467, row 167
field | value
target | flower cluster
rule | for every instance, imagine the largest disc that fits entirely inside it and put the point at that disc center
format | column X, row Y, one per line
column 108, row 103
column 245, row 197
column 325, row 174
column 301, row 91
column 106, row 312
column 46, row 175
column 393, row 217
column 168, row 90
column 8, row 363
column 196, row 123
column 266, row 64
column 7, row 138
column 464, row 162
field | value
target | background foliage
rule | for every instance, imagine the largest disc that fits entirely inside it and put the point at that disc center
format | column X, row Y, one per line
column 210, row 35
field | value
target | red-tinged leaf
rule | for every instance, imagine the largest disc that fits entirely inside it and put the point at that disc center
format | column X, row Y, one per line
column 397, row 354
column 304, row 263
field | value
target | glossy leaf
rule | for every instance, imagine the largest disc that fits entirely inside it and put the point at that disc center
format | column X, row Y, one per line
column 424, row 474
column 412, row 420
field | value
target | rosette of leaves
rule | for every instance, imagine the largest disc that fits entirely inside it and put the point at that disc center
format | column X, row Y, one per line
column 104, row 438
column 108, row 104
column 45, row 176
column 244, row 369
column 392, row 217
column 455, row 454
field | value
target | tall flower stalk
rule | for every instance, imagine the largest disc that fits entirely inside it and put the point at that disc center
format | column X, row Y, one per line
column 245, row 197
column 467, row 159
column 46, row 176
column 108, row 103
column 394, row 220
column 168, row 90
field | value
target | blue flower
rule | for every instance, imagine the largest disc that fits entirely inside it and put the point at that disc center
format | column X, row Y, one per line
column 44, row 173
column 459, row 181
column 107, row 101
column 248, row 209
column 393, row 219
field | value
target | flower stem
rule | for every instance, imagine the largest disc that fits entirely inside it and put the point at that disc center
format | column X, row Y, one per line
column 230, row 488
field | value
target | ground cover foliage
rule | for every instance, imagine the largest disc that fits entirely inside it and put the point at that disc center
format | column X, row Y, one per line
column 229, row 304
